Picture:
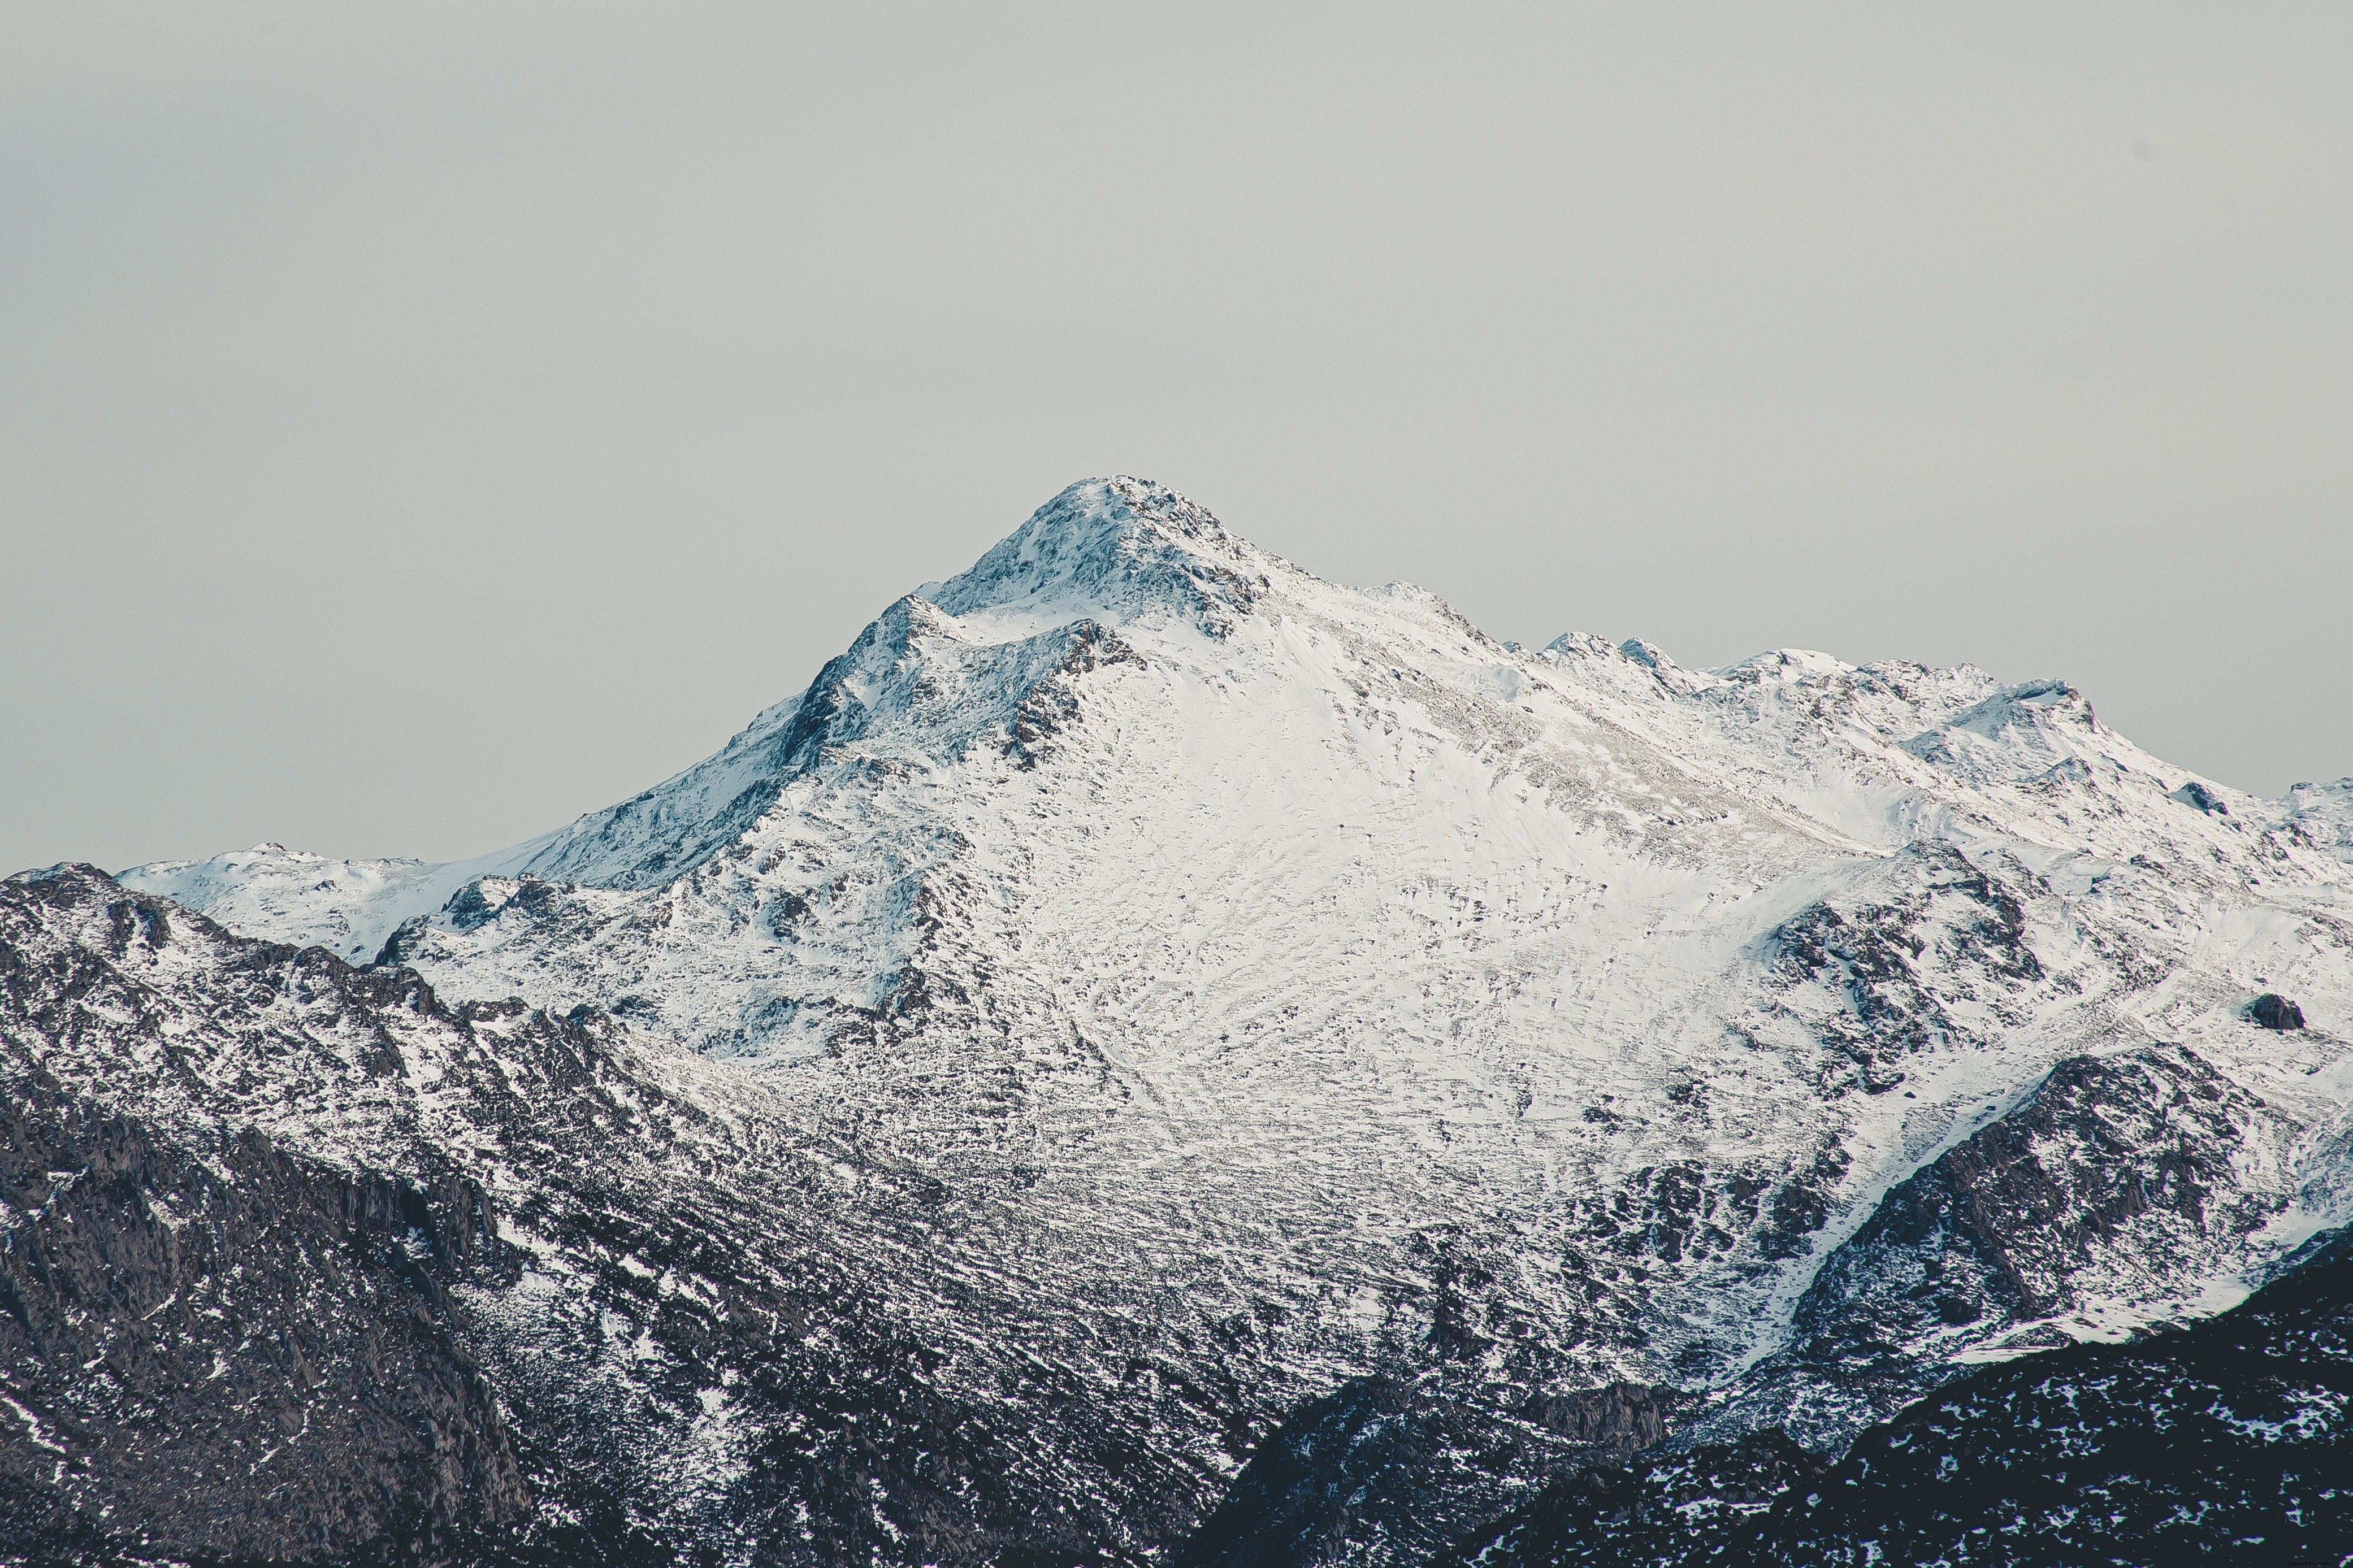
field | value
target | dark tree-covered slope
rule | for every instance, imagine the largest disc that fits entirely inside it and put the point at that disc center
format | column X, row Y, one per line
column 2227, row 1442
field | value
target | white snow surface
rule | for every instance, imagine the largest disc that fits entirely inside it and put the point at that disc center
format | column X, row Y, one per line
column 1257, row 916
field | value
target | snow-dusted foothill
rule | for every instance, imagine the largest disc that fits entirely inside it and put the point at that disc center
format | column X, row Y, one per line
column 1277, row 985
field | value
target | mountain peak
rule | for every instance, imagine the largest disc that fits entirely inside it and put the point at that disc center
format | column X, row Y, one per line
column 1122, row 506
column 1121, row 549
column 1061, row 986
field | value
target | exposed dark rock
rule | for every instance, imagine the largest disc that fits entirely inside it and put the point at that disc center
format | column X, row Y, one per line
column 2273, row 1011
column 1992, row 1232
column 1801, row 1204
column 2194, row 794
column 1053, row 702
column 241, row 1354
column 1618, row 1419
column 1875, row 959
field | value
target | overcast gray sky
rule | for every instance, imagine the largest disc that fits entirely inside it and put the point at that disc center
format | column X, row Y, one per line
column 421, row 424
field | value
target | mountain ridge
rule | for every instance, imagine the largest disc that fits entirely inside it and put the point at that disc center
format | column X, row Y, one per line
column 1376, row 999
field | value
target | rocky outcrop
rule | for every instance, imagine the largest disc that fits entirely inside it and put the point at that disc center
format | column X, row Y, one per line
column 2273, row 1011
column 2117, row 1175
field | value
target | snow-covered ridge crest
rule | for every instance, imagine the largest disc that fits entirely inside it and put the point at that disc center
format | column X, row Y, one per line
column 917, row 669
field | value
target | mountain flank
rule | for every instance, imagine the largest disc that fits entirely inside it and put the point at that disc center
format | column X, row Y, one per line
column 1152, row 1056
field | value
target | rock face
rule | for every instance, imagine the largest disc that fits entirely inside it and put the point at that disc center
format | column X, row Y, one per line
column 1145, row 1021
column 240, row 1354
column 2080, row 1215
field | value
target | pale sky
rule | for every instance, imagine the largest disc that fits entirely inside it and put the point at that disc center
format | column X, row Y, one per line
column 421, row 424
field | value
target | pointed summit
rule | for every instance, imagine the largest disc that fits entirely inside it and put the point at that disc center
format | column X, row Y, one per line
column 1119, row 549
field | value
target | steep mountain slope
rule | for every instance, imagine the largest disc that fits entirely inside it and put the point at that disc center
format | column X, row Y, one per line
column 1282, row 985
column 2225, row 1441
column 380, row 1279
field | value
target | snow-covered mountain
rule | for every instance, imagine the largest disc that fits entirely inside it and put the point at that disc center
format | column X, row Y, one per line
column 1285, row 984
